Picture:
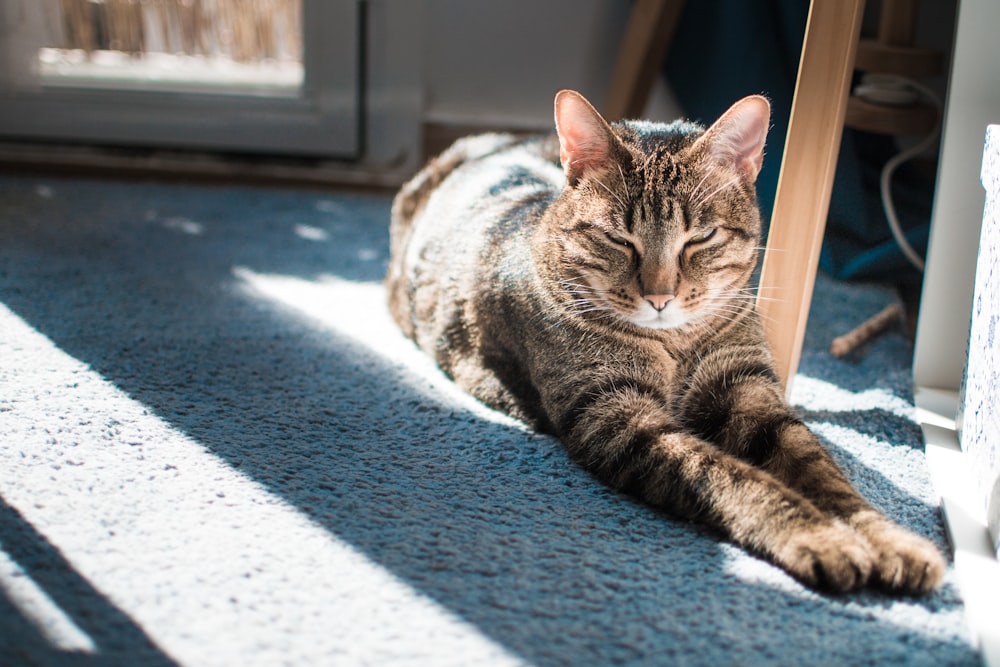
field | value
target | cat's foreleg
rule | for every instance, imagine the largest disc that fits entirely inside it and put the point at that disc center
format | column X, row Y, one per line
column 623, row 441
column 751, row 421
column 687, row 477
column 904, row 562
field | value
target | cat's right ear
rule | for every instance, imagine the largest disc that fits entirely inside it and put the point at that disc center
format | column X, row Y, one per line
column 737, row 139
column 585, row 138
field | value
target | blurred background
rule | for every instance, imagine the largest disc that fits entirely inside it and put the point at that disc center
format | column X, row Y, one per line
column 363, row 91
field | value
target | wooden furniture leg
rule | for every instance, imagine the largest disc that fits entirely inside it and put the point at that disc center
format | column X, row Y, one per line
column 650, row 30
column 815, row 129
column 802, row 200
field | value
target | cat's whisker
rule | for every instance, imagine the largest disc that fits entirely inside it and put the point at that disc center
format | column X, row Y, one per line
column 726, row 308
column 575, row 286
column 730, row 296
column 736, row 301
column 769, row 299
column 564, row 315
column 597, row 309
column 614, row 194
column 763, row 293
column 583, row 296
column 751, row 290
column 732, row 315
column 729, row 312
column 741, row 301
column 707, row 198
column 694, row 191
column 766, row 318
column 587, row 301
column 624, row 182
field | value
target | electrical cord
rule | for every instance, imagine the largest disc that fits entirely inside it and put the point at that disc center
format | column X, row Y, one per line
column 895, row 91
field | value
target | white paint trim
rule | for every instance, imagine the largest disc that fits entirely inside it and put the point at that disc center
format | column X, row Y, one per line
column 976, row 566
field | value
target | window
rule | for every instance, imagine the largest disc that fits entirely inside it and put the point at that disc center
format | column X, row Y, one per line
column 260, row 76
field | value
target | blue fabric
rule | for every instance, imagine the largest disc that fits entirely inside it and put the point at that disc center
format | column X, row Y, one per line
column 726, row 49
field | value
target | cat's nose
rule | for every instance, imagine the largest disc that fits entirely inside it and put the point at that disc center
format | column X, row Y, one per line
column 658, row 301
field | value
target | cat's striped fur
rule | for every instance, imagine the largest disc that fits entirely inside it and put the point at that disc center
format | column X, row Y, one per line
column 595, row 285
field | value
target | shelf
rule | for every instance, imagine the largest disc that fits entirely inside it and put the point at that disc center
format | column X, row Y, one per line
column 896, row 120
column 911, row 61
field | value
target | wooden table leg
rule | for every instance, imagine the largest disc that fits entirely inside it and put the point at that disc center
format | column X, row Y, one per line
column 802, row 200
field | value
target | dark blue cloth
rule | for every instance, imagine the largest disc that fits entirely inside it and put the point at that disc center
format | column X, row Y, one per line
column 726, row 49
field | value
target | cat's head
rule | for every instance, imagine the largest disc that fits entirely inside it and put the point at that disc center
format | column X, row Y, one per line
column 658, row 224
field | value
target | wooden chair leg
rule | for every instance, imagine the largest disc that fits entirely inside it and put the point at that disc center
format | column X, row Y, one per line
column 650, row 30
column 802, row 200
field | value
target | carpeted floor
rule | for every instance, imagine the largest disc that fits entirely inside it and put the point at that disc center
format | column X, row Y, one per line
column 215, row 449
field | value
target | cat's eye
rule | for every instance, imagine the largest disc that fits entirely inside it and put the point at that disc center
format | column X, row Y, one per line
column 702, row 236
column 619, row 241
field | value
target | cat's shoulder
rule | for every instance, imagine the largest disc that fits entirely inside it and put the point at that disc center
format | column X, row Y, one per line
column 489, row 158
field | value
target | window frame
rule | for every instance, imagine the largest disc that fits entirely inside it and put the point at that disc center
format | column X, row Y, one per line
column 324, row 120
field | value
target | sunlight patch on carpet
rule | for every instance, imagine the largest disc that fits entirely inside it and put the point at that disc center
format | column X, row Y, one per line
column 358, row 311
column 207, row 561
column 41, row 610
column 814, row 394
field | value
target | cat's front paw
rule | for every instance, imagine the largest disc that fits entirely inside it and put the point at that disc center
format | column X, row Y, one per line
column 829, row 557
column 904, row 562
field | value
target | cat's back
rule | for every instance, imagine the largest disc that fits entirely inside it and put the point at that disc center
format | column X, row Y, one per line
column 472, row 203
column 479, row 161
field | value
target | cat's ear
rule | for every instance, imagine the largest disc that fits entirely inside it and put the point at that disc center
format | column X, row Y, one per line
column 585, row 138
column 736, row 140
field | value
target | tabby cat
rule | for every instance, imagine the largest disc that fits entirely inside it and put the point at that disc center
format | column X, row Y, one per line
column 594, row 284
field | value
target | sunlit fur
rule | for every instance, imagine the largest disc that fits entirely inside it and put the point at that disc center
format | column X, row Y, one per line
column 596, row 284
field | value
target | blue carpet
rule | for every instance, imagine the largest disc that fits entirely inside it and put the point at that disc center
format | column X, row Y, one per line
column 216, row 449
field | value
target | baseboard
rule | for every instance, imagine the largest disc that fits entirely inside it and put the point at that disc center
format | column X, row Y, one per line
column 976, row 566
column 123, row 162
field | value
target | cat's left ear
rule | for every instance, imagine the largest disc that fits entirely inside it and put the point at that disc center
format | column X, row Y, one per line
column 585, row 138
column 737, row 139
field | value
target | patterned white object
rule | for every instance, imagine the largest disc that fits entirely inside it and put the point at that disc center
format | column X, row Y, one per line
column 980, row 417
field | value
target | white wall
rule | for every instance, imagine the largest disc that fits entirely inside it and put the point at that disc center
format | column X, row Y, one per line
column 501, row 63
column 973, row 103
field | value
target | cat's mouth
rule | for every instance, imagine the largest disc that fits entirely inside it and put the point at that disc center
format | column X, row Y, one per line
column 670, row 317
